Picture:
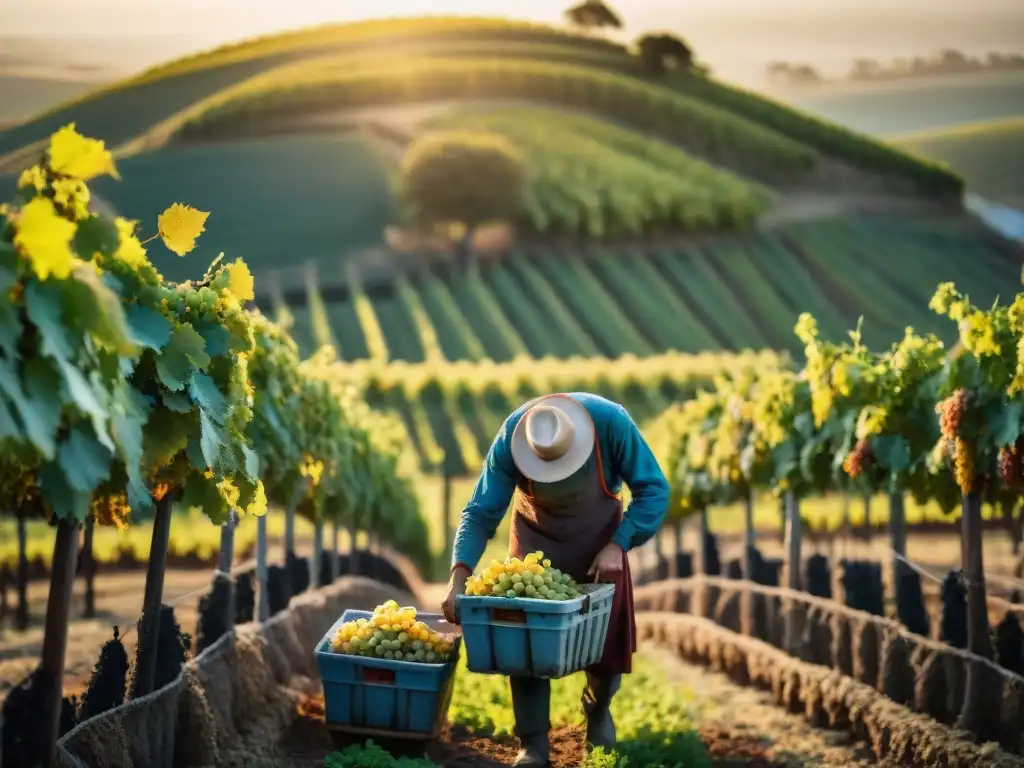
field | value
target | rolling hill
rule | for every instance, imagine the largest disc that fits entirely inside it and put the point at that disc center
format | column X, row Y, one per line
column 989, row 154
column 666, row 216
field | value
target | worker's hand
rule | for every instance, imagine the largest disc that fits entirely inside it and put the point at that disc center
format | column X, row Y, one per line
column 456, row 587
column 608, row 563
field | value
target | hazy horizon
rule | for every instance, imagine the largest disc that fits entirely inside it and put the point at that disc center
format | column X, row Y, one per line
column 736, row 37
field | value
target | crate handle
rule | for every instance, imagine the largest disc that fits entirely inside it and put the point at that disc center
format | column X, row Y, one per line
column 381, row 676
column 585, row 608
column 509, row 615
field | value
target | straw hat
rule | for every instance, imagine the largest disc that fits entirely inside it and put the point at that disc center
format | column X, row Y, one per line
column 553, row 439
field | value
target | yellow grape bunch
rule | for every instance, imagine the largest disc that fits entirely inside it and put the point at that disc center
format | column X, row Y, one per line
column 532, row 577
column 393, row 633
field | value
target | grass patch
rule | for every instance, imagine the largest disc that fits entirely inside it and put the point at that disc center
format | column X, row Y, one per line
column 653, row 718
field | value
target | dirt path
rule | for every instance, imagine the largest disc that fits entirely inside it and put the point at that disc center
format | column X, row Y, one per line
column 739, row 727
column 732, row 719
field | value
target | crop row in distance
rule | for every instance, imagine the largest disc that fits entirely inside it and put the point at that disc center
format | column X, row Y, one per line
column 727, row 294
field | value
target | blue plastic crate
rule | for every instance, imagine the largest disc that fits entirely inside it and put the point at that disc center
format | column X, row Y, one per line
column 402, row 697
column 526, row 637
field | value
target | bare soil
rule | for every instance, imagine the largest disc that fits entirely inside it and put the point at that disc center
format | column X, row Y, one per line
column 118, row 603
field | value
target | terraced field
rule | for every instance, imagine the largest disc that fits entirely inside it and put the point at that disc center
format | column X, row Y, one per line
column 658, row 304
column 714, row 294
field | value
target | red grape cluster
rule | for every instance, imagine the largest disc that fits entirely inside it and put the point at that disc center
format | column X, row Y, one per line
column 856, row 459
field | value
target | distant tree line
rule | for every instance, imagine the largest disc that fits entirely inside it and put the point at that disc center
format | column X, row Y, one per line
column 864, row 69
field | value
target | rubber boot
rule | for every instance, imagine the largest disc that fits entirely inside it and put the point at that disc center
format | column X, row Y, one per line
column 531, row 705
column 597, row 700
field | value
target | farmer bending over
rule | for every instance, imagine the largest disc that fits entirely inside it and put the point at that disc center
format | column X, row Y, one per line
column 561, row 460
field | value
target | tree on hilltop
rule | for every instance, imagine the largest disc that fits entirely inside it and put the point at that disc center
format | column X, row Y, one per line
column 591, row 15
column 661, row 53
column 463, row 178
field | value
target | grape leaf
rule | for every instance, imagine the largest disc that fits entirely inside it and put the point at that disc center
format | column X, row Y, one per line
column 43, row 389
column 148, row 328
column 37, row 426
column 165, row 436
column 85, row 461
column 177, row 402
column 184, row 350
column 10, row 330
column 216, row 336
column 8, row 277
column 87, row 395
column 210, row 439
column 128, row 412
column 8, row 426
column 200, row 491
column 96, row 234
column 98, row 310
column 1004, row 423
column 205, row 394
column 43, row 304
column 63, row 500
column 252, row 463
column 892, row 452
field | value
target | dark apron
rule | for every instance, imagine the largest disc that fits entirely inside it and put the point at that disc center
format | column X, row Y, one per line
column 571, row 529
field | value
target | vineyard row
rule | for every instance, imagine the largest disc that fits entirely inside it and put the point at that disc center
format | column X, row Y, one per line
column 734, row 293
column 710, row 121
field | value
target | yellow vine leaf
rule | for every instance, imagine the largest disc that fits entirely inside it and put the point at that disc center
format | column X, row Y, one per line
column 44, row 238
column 129, row 249
column 179, row 226
column 32, row 177
column 74, row 155
column 240, row 281
column 258, row 507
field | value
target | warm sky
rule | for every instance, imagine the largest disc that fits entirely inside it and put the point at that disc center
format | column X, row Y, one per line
column 728, row 33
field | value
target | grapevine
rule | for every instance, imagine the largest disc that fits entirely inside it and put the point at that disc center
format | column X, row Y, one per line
column 114, row 380
column 914, row 418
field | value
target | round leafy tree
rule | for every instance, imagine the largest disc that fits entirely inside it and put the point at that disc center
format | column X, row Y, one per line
column 463, row 177
column 592, row 15
column 660, row 53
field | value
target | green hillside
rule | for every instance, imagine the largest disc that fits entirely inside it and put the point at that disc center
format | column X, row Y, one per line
column 990, row 155
column 665, row 215
column 276, row 202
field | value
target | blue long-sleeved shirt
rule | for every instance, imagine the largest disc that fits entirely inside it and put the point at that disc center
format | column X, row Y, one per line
column 626, row 458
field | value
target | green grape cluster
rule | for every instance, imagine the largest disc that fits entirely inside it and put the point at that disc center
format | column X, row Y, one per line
column 531, row 577
column 393, row 633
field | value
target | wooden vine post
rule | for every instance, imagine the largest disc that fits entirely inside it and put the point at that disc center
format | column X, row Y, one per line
column 335, row 549
column 21, row 580
column 318, row 550
column 149, row 624
column 794, row 561
column 677, row 539
column 227, row 544
column 289, row 530
column 353, row 533
column 897, row 542
column 703, row 542
column 978, row 640
column 55, row 632
column 89, row 569
column 749, row 530
column 262, row 596
column 446, row 510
